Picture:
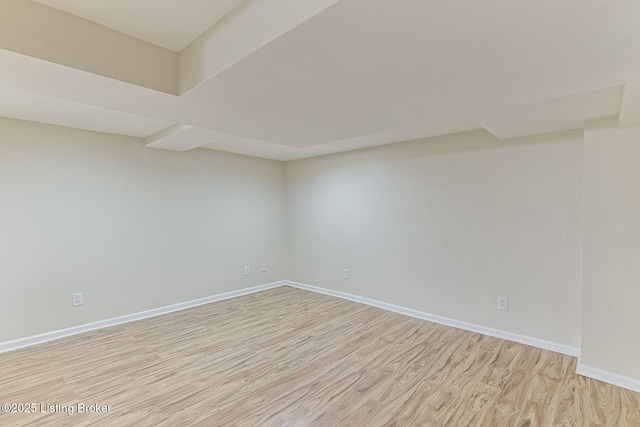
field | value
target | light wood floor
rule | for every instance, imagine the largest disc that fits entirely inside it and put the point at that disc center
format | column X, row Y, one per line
column 287, row 357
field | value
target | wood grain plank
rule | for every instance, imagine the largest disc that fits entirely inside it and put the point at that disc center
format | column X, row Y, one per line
column 289, row 357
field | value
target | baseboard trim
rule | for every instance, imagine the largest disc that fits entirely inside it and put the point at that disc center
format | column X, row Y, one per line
column 54, row 335
column 608, row 377
column 497, row 333
column 582, row 369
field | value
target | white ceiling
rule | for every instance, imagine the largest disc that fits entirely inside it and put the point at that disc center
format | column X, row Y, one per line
column 630, row 104
column 552, row 115
column 172, row 24
column 322, row 76
column 23, row 105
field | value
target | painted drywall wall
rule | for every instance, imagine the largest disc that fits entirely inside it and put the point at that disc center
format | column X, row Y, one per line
column 445, row 226
column 132, row 228
column 611, row 289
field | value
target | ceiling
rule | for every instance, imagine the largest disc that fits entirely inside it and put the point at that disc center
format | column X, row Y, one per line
column 287, row 79
column 172, row 24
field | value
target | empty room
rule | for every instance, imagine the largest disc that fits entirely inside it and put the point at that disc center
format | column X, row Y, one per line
column 319, row 213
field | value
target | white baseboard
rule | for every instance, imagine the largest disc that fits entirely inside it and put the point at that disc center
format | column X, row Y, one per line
column 510, row 336
column 50, row 336
column 582, row 369
column 608, row 377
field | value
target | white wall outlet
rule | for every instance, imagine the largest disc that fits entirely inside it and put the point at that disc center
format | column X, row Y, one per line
column 76, row 299
column 247, row 270
column 345, row 274
column 263, row 267
column 503, row 303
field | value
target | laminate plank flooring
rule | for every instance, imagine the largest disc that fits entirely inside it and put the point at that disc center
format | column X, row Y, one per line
column 288, row 357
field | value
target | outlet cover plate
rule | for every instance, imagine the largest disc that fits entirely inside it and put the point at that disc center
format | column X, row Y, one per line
column 77, row 299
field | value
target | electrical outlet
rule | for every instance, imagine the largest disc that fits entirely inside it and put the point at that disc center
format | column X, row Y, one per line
column 345, row 274
column 76, row 299
column 503, row 303
column 263, row 267
column 247, row 270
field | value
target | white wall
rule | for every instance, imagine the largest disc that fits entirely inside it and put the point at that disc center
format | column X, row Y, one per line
column 445, row 226
column 611, row 304
column 131, row 227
